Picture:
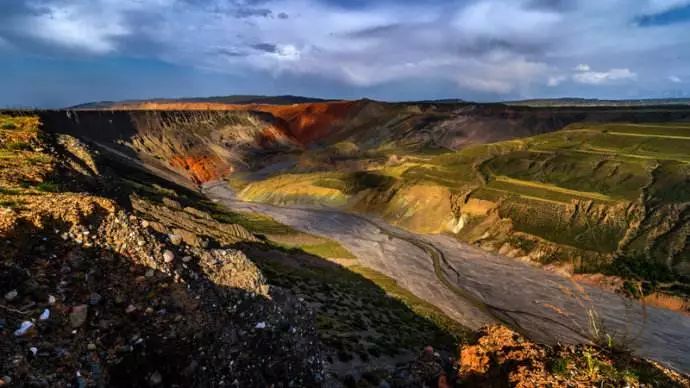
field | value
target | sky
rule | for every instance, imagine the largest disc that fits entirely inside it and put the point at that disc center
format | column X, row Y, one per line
column 56, row 53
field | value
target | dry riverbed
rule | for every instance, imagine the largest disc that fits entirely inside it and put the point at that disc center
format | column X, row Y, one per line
column 476, row 288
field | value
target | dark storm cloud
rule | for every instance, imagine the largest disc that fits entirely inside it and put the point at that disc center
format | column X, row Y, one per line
column 552, row 5
column 227, row 52
column 377, row 31
column 671, row 16
column 265, row 47
column 242, row 13
column 485, row 45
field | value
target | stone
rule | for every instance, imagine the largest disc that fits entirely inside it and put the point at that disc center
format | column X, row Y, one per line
column 11, row 295
column 44, row 315
column 51, row 300
column 23, row 328
column 149, row 273
column 171, row 203
column 175, row 239
column 261, row 325
column 95, row 298
column 91, row 347
column 5, row 380
column 156, row 378
column 78, row 315
column 130, row 309
column 168, row 256
column 187, row 259
column 145, row 224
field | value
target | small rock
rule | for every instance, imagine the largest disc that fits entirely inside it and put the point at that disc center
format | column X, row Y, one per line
column 91, row 347
column 51, row 300
column 156, row 378
column 171, row 203
column 78, row 315
column 145, row 223
column 168, row 256
column 175, row 239
column 95, row 298
column 33, row 350
column 130, row 309
column 261, row 325
column 187, row 259
column 23, row 328
column 44, row 315
column 5, row 380
column 12, row 295
column 189, row 370
column 149, row 273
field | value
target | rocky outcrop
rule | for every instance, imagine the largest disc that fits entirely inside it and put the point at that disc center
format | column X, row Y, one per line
column 502, row 358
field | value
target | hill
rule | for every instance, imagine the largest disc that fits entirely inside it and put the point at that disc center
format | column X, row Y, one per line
column 572, row 102
column 234, row 99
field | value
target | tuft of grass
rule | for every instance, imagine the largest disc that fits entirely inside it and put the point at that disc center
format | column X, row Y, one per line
column 17, row 146
column 48, row 187
column 559, row 366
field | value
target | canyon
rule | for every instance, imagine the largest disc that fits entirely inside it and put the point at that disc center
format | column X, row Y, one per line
column 470, row 214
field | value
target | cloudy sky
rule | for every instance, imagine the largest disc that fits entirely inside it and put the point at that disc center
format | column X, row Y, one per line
column 61, row 52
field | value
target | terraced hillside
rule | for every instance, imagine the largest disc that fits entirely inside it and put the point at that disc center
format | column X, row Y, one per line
column 609, row 198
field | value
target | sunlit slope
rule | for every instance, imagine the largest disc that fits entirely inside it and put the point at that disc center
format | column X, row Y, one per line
column 599, row 197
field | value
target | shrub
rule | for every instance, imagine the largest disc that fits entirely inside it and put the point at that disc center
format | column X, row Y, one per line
column 559, row 366
column 17, row 146
column 48, row 187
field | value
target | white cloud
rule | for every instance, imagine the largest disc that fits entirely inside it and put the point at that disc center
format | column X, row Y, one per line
column 603, row 77
column 93, row 26
column 556, row 80
column 582, row 67
column 675, row 79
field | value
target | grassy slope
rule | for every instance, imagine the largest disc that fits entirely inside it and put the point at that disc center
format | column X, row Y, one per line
column 572, row 190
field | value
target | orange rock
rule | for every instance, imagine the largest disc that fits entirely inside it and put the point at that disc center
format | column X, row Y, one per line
column 202, row 168
column 305, row 123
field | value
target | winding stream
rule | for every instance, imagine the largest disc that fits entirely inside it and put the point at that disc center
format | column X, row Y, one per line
column 475, row 287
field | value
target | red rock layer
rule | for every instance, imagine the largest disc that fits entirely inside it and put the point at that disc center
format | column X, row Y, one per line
column 305, row 123
column 202, row 168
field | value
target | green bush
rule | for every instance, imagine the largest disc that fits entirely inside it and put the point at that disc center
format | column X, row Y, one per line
column 48, row 187
column 17, row 146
